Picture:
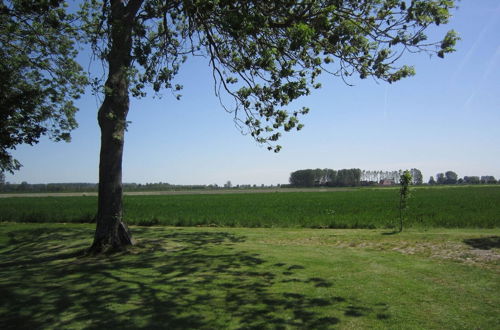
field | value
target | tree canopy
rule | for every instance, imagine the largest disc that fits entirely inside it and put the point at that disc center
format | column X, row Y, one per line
column 266, row 54
column 451, row 177
column 263, row 55
column 39, row 77
column 417, row 177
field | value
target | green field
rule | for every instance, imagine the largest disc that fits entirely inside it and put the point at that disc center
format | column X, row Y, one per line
column 288, row 277
column 449, row 207
column 250, row 278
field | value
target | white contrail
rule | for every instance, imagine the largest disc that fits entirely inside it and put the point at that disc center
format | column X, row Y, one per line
column 494, row 60
column 466, row 59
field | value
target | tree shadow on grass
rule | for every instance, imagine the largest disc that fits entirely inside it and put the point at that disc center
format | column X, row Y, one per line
column 484, row 243
column 388, row 233
column 172, row 279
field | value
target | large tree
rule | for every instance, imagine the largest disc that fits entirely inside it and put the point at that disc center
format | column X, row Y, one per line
column 263, row 55
column 417, row 177
column 302, row 178
column 39, row 77
column 440, row 178
column 451, row 177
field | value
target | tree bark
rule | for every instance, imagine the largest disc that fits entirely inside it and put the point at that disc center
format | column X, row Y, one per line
column 111, row 231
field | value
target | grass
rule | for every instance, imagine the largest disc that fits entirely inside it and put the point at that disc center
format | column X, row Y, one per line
column 450, row 207
column 241, row 278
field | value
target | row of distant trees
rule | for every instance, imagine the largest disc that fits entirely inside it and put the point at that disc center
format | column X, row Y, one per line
column 374, row 177
column 26, row 187
column 90, row 187
column 347, row 177
column 325, row 177
column 301, row 178
column 450, row 177
column 93, row 187
column 49, row 187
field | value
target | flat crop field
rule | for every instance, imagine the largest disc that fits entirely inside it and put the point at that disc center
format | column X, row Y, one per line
column 429, row 207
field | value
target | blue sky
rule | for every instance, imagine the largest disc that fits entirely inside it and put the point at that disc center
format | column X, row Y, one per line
column 447, row 117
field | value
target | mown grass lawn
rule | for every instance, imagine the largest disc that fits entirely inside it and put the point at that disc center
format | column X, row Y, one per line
column 217, row 278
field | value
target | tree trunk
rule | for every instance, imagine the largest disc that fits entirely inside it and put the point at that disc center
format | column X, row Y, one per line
column 111, row 232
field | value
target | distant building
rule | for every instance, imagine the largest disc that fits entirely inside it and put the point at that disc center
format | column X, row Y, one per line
column 387, row 182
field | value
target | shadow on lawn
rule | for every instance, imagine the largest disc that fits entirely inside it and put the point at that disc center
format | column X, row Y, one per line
column 388, row 233
column 172, row 279
column 484, row 243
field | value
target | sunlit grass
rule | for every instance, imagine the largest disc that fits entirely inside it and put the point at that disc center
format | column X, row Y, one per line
column 214, row 278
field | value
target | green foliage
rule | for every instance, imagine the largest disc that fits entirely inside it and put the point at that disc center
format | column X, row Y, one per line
column 451, row 177
column 348, row 177
column 39, row 77
column 488, row 179
column 266, row 54
column 303, row 178
column 440, row 206
column 326, row 177
column 404, row 194
column 471, row 180
column 417, row 177
column 440, row 178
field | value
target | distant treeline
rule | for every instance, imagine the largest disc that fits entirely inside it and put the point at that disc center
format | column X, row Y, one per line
column 47, row 187
column 348, row 177
column 325, row 177
column 93, row 187
column 450, row 177
column 26, row 187
column 301, row 178
column 356, row 177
